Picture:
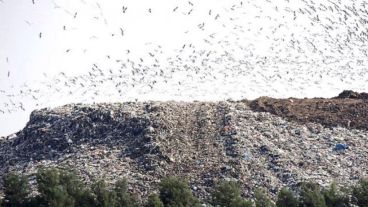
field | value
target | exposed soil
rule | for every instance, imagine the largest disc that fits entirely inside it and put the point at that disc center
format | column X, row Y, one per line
column 349, row 109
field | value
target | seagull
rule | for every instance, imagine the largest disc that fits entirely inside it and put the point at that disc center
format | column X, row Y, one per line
column 124, row 9
column 122, row 31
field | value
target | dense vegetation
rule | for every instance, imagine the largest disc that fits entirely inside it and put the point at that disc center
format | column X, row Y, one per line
column 63, row 188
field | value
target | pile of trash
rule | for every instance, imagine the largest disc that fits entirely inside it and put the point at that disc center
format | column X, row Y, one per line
column 202, row 142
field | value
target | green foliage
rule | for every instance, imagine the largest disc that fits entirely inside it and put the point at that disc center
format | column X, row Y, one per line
column 262, row 200
column 123, row 197
column 227, row 194
column 335, row 198
column 103, row 196
column 286, row 198
column 16, row 190
column 54, row 188
column 360, row 193
column 63, row 188
column 75, row 188
column 311, row 196
column 176, row 193
column 154, row 201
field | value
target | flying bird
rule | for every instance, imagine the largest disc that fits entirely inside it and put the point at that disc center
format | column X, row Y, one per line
column 124, row 9
column 190, row 12
column 121, row 31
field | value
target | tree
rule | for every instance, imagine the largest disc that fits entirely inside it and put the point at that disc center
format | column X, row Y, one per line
column 227, row 194
column 53, row 190
column 176, row 193
column 311, row 195
column 360, row 193
column 81, row 196
column 154, row 201
column 286, row 198
column 123, row 197
column 335, row 198
column 262, row 200
column 103, row 197
column 16, row 190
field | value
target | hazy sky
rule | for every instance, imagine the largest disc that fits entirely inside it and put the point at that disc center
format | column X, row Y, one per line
column 250, row 48
column 89, row 26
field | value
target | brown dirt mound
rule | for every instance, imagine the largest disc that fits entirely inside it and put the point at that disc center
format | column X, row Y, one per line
column 353, row 95
column 349, row 109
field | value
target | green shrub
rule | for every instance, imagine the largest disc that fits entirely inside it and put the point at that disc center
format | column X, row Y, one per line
column 262, row 200
column 311, row 195
column 16, row 190
column 286, row 198
column 123, row 197
column 334, row 197
column 360, row 193
column 176, row 193
column 53, row 188
column 61, row 188
column 103, row 196
column 227, row 194
column 154, row 201
column 81, row 196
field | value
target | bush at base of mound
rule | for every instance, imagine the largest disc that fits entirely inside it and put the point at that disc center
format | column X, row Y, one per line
column 63, row 188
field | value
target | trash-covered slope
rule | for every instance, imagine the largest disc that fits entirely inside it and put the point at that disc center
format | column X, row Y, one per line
column 200, row 141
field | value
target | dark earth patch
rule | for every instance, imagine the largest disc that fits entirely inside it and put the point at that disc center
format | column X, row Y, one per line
column 349, row 109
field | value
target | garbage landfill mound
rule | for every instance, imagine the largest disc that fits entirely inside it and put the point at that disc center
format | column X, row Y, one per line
column 203, row 142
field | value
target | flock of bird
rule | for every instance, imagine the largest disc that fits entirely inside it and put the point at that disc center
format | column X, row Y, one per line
column 248, row 49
